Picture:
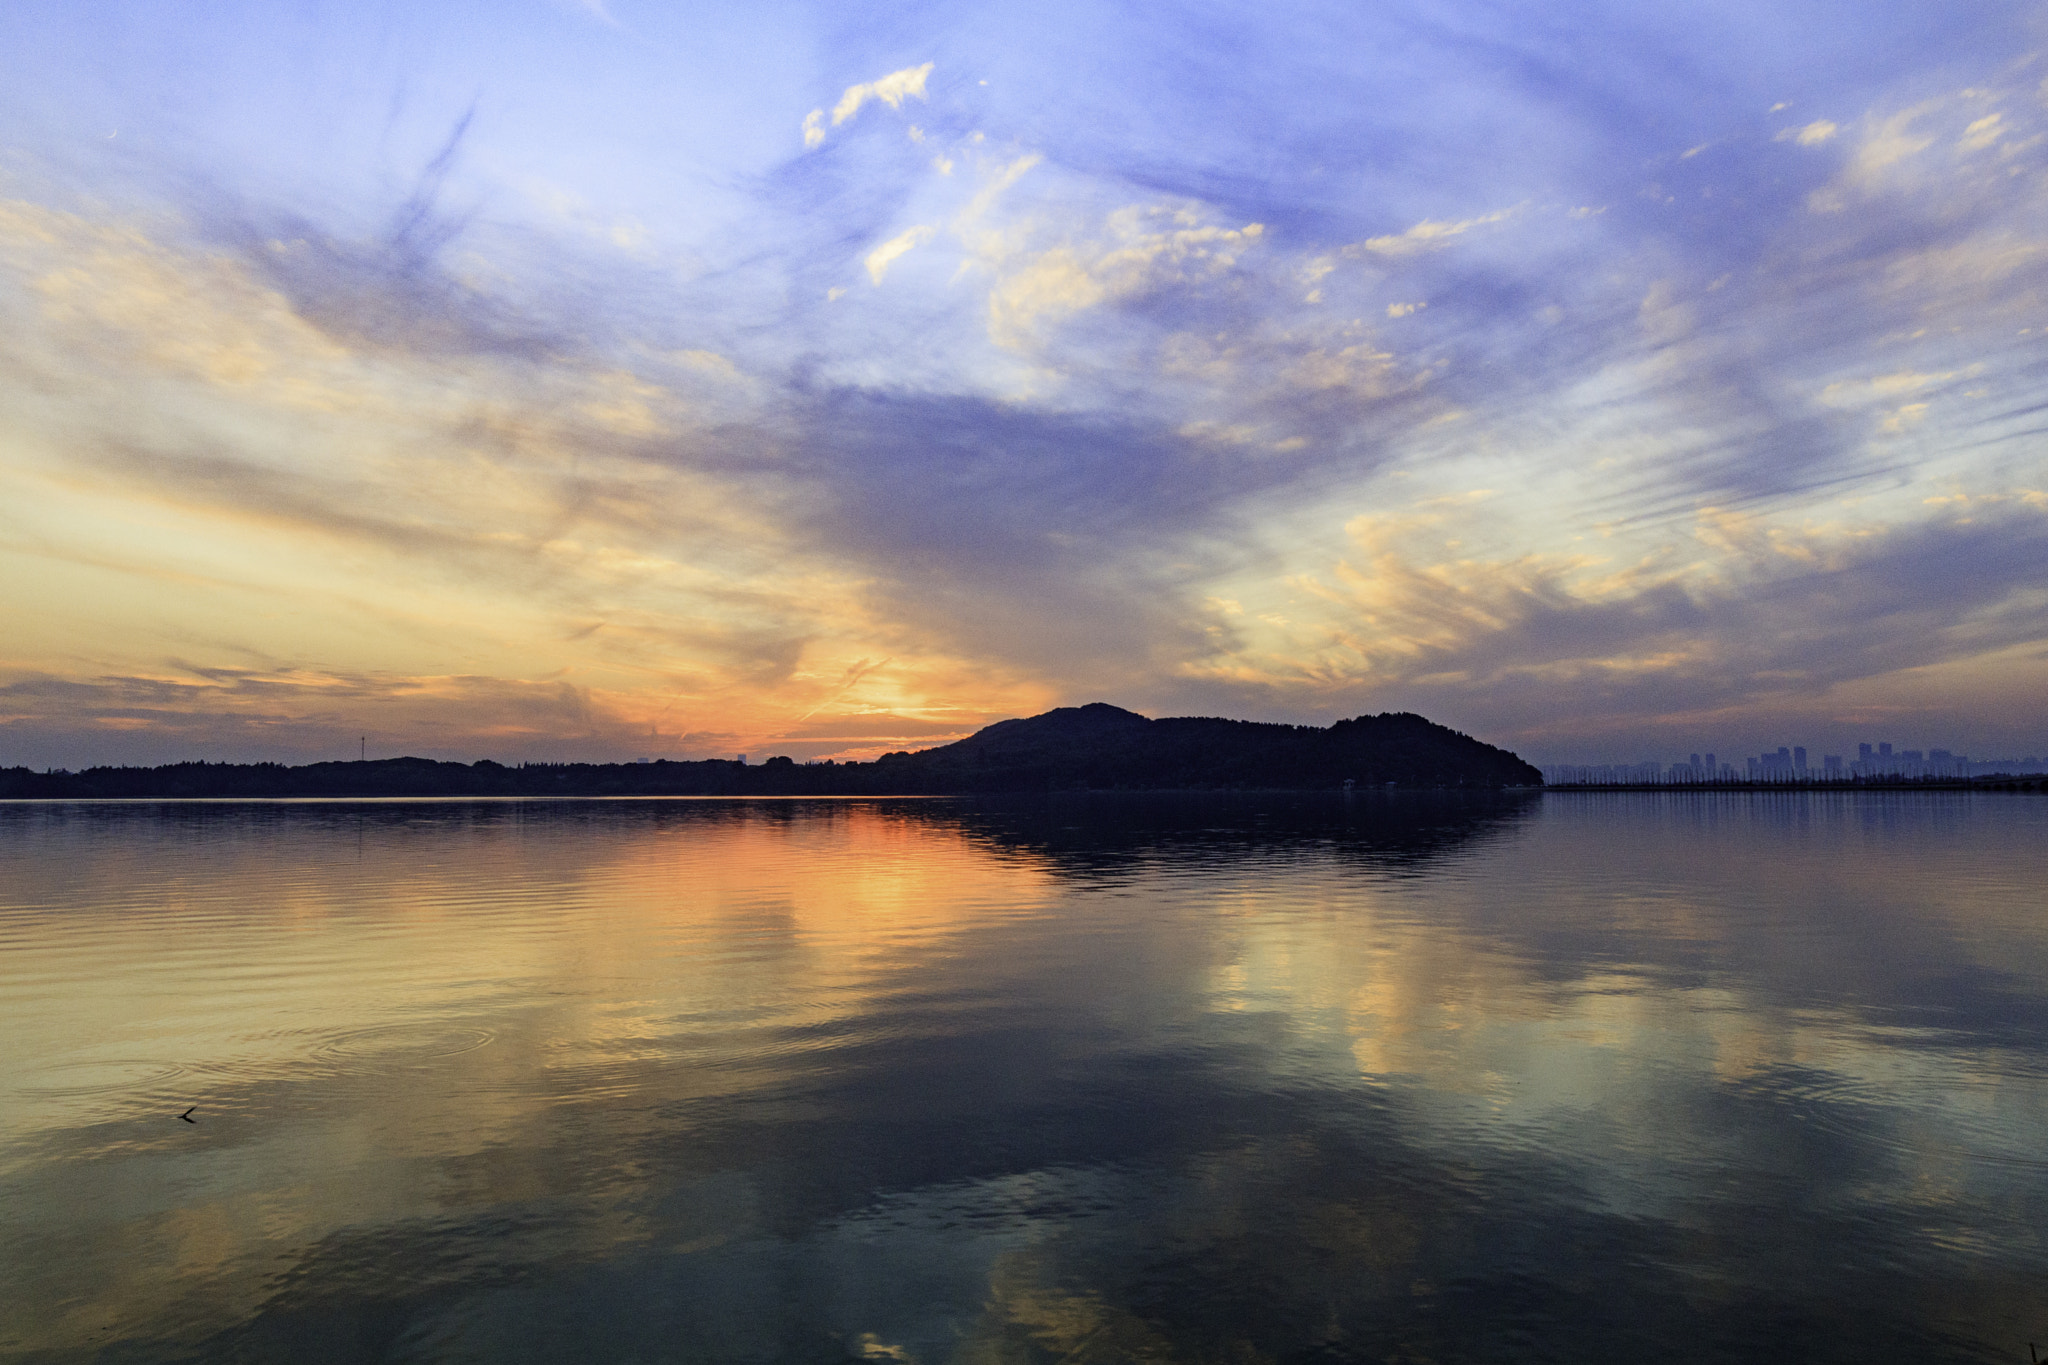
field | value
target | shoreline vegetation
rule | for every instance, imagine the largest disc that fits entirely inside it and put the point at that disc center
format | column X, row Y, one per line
column 1079, row 748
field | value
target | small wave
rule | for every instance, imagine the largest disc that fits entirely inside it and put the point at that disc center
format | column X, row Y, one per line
column 105, row 1077
column 385, row 1045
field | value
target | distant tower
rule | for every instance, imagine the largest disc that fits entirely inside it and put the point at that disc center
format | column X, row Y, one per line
column 1799, row 760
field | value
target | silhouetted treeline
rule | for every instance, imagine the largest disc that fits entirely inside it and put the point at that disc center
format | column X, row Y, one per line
column 1095, row 748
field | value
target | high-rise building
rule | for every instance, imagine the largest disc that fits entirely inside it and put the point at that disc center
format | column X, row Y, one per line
column 1799, row 760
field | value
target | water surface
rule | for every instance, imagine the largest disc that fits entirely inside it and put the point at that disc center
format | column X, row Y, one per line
column 1577, row 1077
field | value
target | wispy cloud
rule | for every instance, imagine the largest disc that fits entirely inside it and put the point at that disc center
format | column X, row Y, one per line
column 1812, row 135
column 1430, row 234
column 891, row 90
column 879, row 260
column 1754, row 620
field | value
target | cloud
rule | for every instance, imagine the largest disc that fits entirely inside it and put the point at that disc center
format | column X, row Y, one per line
column 995, row 187
column 582, row 501
column 1846, row 393
column 1982, row 133
column 1887, row 157
column 1811, row 135
column 1761, row 615
column 301, row 714
column 891, row 90
column 1137, row 249
column 1432, row 234
column 1182, row 355
column 1044, row 546
column 882, row 257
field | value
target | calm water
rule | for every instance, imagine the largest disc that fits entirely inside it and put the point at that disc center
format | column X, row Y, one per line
column 1573, row 1077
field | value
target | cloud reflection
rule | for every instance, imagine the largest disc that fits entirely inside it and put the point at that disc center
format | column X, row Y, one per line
column 981, row 1079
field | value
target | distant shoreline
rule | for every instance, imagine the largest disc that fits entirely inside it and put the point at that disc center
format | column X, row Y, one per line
column 619, row 782
column 1096, row 747
column 2016, row 785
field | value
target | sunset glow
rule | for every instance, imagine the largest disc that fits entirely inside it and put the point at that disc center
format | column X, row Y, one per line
column 606, row 380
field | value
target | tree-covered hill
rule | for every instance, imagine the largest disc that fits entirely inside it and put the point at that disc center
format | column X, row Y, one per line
column 1103, row 747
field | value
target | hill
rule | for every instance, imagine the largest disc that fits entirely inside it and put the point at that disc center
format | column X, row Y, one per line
column 1106, row 747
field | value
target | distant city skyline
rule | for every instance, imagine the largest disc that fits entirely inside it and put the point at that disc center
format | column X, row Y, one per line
column 1794, row 762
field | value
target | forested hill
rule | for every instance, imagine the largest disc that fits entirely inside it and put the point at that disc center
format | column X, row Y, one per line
column 1107, row 747
column 1096, row 747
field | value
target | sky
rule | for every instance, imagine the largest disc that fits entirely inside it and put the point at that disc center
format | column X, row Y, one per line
column 550, row 380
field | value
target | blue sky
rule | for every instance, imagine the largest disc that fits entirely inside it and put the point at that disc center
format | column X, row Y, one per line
column 554, row 379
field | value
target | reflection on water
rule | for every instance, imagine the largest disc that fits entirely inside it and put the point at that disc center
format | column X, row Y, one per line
column 1579, row 1077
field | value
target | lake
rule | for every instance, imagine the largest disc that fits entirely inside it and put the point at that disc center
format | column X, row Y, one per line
column 1550, row 1077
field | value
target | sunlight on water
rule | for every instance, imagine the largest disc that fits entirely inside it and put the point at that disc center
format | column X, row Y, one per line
column 1575, row 1077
